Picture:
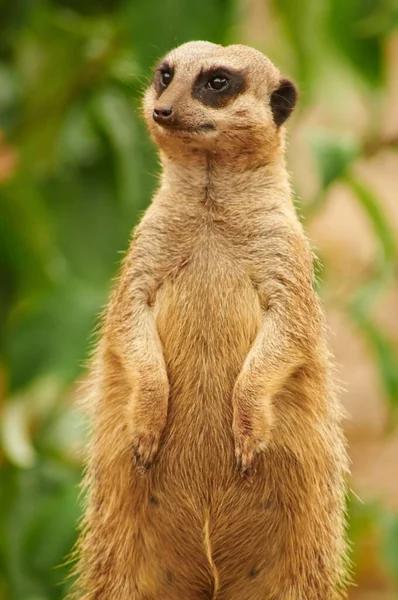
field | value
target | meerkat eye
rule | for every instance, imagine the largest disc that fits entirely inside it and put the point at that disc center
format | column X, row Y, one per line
column 165, row 77
column 217, row 83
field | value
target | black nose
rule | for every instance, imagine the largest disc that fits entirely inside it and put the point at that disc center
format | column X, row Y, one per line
column 162, row 115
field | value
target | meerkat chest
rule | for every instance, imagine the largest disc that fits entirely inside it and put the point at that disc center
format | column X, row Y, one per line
column 208, row 306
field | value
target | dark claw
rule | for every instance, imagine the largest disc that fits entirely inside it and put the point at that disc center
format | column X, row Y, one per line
column 142, row 468
column 139, row 461
column 248, row 472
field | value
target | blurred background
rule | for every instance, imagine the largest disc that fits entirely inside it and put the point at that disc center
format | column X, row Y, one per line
column 76, row 172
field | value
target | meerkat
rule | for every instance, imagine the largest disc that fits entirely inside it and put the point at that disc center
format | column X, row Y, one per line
column 217, row 464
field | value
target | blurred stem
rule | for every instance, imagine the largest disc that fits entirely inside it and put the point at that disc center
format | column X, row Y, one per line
column 373, row 145
column 378, row 220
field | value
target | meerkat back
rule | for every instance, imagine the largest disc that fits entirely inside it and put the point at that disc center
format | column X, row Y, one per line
column 217, row 462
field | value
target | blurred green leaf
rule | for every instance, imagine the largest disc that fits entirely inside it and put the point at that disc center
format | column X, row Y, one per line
column 25, row 498
column 383, row 20
column 363, row 517
column 27, row 225
column 176, row 22
column 45, row 334
column 300, row 21
column 16, row 441
column 369, row 520
column 115, row 114
column 389, row 524
column 78, row 142
column 360, row 304
column 9, row 96
column 384, row 233
column 51, row 535
column 333, row 155
column 362, row 49
column 383, row 350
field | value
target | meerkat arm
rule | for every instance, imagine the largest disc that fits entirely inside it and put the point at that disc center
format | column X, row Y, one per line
column 132, row 336
column 289, row 330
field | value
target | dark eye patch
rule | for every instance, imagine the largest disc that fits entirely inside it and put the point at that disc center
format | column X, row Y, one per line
column 164, row 74
column 204, row 88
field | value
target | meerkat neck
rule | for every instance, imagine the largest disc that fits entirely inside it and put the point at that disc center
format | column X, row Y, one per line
column 205, row 179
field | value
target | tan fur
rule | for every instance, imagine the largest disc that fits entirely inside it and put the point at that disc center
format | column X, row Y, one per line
column 213, row 355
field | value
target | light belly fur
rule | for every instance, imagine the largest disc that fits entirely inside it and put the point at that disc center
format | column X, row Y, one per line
column 207, row 322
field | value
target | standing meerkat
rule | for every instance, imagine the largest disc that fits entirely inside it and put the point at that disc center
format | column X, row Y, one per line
column 217, row 464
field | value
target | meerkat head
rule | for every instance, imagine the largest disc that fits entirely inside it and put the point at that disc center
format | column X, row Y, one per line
column 219, row 100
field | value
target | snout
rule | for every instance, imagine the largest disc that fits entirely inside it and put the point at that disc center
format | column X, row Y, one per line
column 173, row 121
column 163, row 115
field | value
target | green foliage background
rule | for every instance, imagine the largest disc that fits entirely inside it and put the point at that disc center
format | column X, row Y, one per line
column 71, row 76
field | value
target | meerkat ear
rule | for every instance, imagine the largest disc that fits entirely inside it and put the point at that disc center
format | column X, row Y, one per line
column 283, row 101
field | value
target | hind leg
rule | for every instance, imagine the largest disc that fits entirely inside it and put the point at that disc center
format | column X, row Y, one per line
column 137, row 547
column 287, row 569
column 279, row 585
column 148, row 558
column 283, row 537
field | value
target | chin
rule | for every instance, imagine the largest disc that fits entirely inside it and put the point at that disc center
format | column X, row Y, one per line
column 195, row 136
column 178, row 128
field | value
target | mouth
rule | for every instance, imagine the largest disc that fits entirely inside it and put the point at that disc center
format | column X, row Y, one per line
column 184, row 129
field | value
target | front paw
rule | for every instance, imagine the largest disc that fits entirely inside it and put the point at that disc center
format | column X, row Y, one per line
column 145, row 447
column 146, row 416
column 252, row 425
column 247, row 449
